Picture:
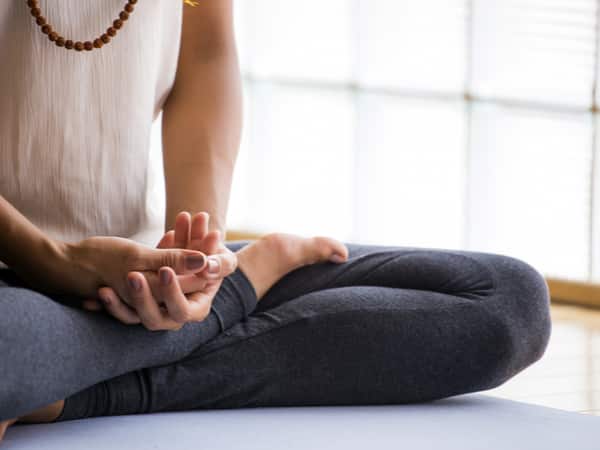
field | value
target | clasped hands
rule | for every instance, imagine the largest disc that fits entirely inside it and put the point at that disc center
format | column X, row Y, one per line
column 176, row 293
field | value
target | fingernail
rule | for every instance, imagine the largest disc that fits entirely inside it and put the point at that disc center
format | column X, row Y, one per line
column 134, row 284
column 105, row 300
column 337, row 258
column 213, row 265
column 165, row 277
column 194, row 262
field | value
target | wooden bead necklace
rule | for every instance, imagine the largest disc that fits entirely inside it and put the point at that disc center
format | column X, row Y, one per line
column 68, row 44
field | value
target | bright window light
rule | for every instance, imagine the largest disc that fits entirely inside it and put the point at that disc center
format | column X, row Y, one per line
column 435, row 123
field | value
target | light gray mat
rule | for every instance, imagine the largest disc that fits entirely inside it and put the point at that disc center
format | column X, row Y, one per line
column 461, row 423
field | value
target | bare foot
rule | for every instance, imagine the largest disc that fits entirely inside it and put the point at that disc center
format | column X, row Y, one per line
column 269, row 258
column 46, row 414
column 4, row 426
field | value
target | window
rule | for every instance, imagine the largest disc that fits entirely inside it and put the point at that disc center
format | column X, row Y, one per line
column 437, row 123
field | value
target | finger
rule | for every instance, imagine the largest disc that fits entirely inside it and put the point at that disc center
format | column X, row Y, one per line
column 188, row 283
column 182, row 229
column 212, row 242
column 191, row 283
column 116, row 307
column 168, row 240
column 203, row 299
column 211, row 245
column 180, row 260
column 221, row 260
column 146, row 306
column 178, row 306
column 221, row 265
column 199, row 231
column 91, row 304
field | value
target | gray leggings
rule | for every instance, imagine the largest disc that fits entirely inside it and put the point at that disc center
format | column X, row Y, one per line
column 391, row 325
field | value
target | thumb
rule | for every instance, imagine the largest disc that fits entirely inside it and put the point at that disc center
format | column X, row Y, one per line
column 180, row 260
column 221, row 265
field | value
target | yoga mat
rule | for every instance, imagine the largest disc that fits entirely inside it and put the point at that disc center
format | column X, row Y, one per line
column 460, row 423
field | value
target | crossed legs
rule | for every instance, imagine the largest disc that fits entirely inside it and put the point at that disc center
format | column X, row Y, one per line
column 391, row 325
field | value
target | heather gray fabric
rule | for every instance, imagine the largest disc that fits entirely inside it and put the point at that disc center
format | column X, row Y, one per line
column 391, row 325
column 50, row 350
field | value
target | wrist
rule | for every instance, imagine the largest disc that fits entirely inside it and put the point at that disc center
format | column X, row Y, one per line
column 53, row 252
column 67, row 262
column 44, row 263
column 38, row 251
column 77, row 259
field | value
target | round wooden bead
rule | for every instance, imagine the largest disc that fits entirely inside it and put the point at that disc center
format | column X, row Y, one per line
column 68, row 44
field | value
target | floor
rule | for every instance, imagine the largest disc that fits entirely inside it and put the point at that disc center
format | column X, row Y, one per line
column 568, row 375
column 567, row 378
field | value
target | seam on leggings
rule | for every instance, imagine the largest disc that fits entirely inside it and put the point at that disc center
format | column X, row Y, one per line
column 383, row 252
column 62, row 413
column 488, row 269
column 473, row 260
column 325, row 315
column 242, row 286
column 482, row 265
column 245, row 293
column 219, row 318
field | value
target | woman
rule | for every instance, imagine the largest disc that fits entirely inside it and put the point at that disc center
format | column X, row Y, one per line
column 93, row 322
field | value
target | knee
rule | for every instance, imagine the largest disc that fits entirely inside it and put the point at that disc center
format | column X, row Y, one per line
column 521, row 306
column 22, row 327
column 18, row 315
column 13, row 351
column 10, row 318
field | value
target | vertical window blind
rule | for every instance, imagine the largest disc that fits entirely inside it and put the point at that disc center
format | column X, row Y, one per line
column 465, row 124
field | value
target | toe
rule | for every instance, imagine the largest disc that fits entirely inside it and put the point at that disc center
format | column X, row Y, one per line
column 341, row 250
column 331, row 249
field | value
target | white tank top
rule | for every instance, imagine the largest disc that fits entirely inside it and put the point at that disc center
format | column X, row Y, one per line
column 75, row 126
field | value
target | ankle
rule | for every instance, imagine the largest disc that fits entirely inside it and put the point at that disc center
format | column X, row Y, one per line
column 264, row 262
column 44, row 415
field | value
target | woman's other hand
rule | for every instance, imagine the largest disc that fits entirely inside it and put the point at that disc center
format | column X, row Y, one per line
column 166, row 301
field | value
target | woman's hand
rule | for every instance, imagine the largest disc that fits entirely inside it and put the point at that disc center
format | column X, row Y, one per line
column 81, row 269
column 106, row 261
column 166, row 301
column 192, row 233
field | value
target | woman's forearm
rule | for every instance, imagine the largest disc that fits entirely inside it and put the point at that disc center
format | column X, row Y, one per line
column 22, row 244
column 201, row 136
column 202, row 117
